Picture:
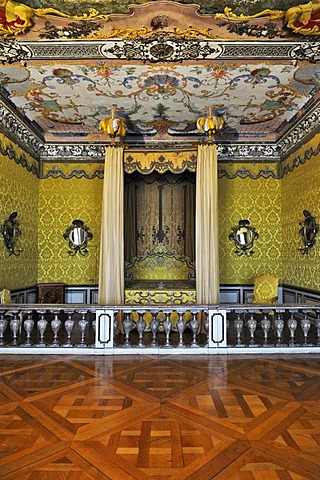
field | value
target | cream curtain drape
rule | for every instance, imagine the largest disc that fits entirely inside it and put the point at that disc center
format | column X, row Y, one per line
column 111, row 271
column 207, row 252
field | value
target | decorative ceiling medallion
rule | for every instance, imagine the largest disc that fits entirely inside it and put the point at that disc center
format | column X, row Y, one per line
column 162, row 48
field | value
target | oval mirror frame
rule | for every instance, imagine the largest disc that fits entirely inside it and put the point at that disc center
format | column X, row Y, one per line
column 78, row 235
column 309, row 231
column 243, row 236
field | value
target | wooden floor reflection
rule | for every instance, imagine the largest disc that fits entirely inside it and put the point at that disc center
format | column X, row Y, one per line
column 160, row 417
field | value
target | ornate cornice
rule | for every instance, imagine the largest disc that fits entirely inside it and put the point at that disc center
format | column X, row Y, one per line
column 85, row 152
column 254, row 152
column 16, row 130
column 305, row 127
column 165, row 47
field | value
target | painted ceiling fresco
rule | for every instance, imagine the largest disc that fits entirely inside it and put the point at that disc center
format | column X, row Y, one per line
column 209, row 7
column 65, row 99
column 154, row 100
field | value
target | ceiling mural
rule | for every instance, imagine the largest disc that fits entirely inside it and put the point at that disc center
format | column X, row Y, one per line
column 162, row 64
column 209, row 7
column 160, row 100
column 21, row 17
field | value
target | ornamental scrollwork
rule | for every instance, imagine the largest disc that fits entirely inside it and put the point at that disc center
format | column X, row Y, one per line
column 161, row 48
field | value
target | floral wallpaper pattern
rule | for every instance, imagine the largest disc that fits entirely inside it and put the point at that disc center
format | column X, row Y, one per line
column 19, row 193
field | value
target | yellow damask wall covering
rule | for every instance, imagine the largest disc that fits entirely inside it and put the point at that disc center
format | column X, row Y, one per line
column 301, row 191
column 259, row 201
column 19, row 192
column 274, row 207
column 60, row 202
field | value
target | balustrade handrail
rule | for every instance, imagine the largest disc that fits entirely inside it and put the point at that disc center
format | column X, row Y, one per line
column 113, row 327
column 216, row 306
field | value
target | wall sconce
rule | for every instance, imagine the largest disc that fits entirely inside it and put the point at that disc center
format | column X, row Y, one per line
column 210, row 124
column 113, row 126
column 243, row 236
column 78, row 235
column 10, row 231
column 309, row 231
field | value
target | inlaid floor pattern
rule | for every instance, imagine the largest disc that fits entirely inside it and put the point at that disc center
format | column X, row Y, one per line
column 160, row 417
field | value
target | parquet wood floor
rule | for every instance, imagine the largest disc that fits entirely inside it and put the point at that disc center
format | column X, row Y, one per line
column 142, row 417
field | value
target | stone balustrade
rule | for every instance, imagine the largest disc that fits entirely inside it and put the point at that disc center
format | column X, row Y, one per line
column 159, row 329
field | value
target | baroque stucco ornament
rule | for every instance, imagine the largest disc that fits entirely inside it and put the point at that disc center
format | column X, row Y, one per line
column 163, row 47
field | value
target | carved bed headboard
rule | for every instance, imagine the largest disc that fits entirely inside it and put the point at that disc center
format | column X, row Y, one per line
column 160, row 264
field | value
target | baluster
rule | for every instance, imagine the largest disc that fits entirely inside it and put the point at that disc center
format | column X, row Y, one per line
column 127, row 326
column 238, row 325
column 167, row 325
column 265, row 325
column 94, row 326
column 279, row 325
column 180, row 327
column 15, row 327
column 69, row 326
column 317, row 323
column 194, row 325
column 141, row 326
column 28, row 326
column 55, row 327
column 3, row 326
column 252, row 326
column 115, row 325
column 83, row 324
column 154, row 327
column 292, row 325
column 41, row 326
column 305, row 324
column 206, row 327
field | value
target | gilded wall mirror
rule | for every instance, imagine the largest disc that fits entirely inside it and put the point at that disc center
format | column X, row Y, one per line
column 243, row 236
column 309, row 231
column 78, row 235
column 10, row 231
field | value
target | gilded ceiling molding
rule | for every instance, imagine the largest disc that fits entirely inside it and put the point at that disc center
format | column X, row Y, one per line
column 131, row 33
column 302, row 19
column 17, row 18
column 228, row 14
